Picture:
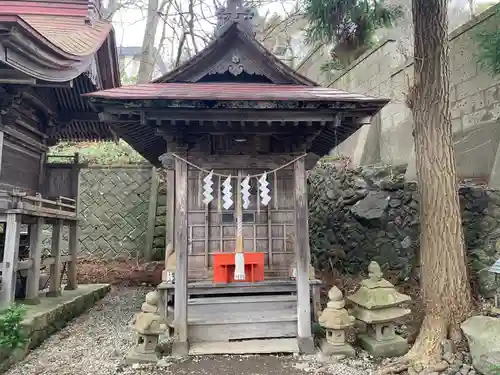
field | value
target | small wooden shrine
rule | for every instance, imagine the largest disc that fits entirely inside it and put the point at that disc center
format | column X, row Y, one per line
column 236, row 130
column 52, row 52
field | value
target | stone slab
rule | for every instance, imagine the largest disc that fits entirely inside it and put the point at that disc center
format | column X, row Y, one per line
column 180, row 349
column 389, row 348
column 332, row 350
column 306, row 345
column 134, row 356
column 482, row 334
column 52, row 314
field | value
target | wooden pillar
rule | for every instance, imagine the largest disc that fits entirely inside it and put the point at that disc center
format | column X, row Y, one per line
column 303, row 259
column 56, row 267
column 168, row 164
column 170, row 219
column 1, row 149
column 73, row 248
column 153, row 198
column 33, row 279
column 42, row 186
column 74, row 229
column 10, row 259
column 181, row 251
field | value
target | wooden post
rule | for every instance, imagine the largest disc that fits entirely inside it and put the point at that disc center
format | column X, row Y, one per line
column 207, row 237
column 168, row 164
column 1, row 149
column 55, row 268
column 170, row 219
column 316, row 301
column 75, row 183
column 10, row 259
column 270, row 238
column 153, row 198
column 33, row 279
column 73, row 248
column 181, row 274
column 42, row 186
column 74, row 229
column 303, row 259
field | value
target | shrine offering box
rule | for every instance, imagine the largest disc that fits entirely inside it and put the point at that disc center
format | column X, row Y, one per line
column 224, row 267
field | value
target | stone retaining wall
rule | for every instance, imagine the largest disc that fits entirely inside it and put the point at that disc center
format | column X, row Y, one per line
column 372, row 213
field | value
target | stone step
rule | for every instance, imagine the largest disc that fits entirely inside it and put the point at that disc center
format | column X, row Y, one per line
column 242, row 317
column 268, row 346
column 234, row 328
column 217, row 306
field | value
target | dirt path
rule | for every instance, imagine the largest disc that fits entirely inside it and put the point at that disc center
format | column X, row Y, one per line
column 97, row 342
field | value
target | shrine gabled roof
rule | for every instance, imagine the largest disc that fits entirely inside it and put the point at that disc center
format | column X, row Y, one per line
column 59, row 35
column 231, row 91
column 67, row 48
column 140, row 99
column 234, row 72
column 256, row 58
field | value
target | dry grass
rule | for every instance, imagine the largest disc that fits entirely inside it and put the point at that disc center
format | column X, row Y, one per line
column 124, row 272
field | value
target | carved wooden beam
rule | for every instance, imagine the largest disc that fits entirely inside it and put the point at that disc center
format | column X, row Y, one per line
column 78, row 116
column 117, row 118
column 231, row 128
column 63, row 85
column 241, row 115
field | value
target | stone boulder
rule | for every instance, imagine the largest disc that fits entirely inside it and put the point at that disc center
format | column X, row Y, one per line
column 483, row 335
column 372, row 207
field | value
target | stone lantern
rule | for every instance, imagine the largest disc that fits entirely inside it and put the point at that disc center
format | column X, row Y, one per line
column 149, row 326
column 335, row 319
column 376, row 304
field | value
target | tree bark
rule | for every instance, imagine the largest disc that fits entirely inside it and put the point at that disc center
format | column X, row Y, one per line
column 444, row 277
column 109, row 11
column 148, row 56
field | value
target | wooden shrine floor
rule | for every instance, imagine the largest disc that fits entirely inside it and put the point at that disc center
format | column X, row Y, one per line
column 266, row 286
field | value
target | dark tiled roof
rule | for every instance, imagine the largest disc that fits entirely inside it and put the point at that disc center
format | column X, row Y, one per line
column 66, row 40
column 64, row 25
column 229, row 91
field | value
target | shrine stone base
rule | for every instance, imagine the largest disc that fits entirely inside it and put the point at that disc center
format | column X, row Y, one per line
column 135, row 356
column 394, row 347
column 180, row 349
column 330, row 350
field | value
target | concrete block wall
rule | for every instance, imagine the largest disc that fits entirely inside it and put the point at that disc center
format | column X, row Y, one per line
column 386, row 71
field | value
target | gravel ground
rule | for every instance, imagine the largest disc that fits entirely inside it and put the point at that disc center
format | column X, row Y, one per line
column 96, row 343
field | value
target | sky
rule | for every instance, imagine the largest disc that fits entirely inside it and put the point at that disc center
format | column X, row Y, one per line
column 130, row 23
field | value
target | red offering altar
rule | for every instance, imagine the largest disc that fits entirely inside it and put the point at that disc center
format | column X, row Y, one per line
column 224, row 266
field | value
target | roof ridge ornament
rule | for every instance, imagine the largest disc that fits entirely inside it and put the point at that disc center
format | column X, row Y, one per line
column 235, row 12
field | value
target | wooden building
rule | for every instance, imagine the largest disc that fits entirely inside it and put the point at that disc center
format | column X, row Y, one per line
column 235, row 109
column 53, row 51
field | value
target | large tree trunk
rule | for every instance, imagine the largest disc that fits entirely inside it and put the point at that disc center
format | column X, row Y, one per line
column 444, row 280
column 109, row 11
column 148, row 55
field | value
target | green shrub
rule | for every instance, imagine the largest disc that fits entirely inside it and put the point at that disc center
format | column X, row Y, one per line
column 488, row 40
column 12, row 333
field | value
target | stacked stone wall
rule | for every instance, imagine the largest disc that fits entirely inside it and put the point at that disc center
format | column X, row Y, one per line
column 371, row 213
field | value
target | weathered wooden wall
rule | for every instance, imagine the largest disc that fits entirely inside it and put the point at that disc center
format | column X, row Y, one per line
column 269, row 229
column 59, row 180
column 23, row 150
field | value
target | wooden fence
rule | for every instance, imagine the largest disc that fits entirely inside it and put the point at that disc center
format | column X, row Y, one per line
column 22, row 262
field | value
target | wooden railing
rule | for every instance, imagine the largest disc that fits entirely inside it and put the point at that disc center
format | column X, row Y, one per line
column 37, row 211
column 60, row 207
